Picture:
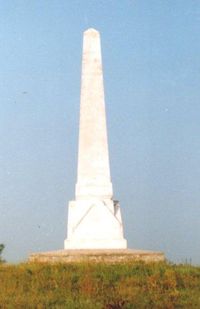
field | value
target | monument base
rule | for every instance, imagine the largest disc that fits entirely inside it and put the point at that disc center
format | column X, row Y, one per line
column 106, row 256
column 94, row 224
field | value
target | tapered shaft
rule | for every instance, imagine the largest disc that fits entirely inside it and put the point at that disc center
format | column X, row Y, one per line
column 93, row 159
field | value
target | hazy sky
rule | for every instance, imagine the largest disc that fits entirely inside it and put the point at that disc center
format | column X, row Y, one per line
column 151, row 60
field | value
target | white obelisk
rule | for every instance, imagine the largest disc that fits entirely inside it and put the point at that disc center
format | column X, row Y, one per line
column 94, row 218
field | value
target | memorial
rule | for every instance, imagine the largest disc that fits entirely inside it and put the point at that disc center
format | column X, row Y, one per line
column 94, row 218
column 94, row 226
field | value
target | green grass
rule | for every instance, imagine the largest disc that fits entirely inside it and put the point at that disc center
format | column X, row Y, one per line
column 88, row 285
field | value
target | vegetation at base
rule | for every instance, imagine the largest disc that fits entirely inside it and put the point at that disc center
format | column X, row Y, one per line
column 91, row 285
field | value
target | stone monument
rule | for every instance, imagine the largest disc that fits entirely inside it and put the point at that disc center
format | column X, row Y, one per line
column 95, row 230
column 94, row 218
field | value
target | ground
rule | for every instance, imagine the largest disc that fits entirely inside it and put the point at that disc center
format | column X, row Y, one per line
column 99, row 285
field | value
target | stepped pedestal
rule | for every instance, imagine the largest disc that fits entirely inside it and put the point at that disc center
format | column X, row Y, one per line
column 97, row 256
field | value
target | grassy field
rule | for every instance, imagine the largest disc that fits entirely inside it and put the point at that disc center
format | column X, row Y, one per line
column 88, row 286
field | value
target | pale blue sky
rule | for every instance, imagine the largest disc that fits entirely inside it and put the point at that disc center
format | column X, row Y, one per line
column 151, row 59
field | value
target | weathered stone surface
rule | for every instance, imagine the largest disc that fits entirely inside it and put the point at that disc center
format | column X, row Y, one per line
column 108, row 256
